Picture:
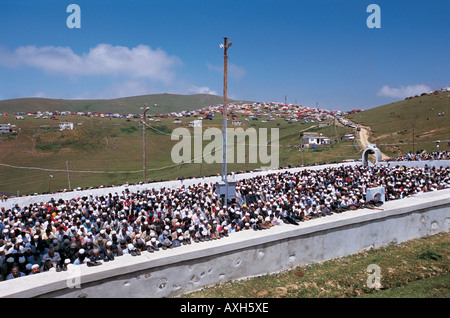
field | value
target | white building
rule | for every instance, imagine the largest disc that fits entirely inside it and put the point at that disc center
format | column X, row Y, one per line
column 349, row 137
column 195, row 123
column 5, row 129
column 65, row 125
column 316, row 139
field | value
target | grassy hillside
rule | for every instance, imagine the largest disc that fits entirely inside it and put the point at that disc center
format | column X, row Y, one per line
column 167, row 103
column 392, row 124
column 111, row 149
column 114, row 148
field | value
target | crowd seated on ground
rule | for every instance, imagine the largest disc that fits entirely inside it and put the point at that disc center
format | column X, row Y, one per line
column 91, row 230
column 423, row 155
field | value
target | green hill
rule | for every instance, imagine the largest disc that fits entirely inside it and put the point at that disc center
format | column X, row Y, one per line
column 101, row 151
column 108, row 151
column 166, row 103
column 392, row 125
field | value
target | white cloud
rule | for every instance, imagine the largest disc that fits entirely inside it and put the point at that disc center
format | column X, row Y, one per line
column 103, row 59
column 403, row 91
column 234, row 71
column 202, row 90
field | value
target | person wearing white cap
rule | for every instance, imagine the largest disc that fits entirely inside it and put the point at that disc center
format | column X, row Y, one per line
column 65, row 264
column 131, row 249
column 35, row 269
column 5, row 235
column 109, row 252
column 28, row 268
column 153, row 246
column 103, row 236
column 81, row 259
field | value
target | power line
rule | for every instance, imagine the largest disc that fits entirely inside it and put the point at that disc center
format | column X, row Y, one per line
column 103, row 172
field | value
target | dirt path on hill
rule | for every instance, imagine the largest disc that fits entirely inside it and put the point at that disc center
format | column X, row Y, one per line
column 364, row 136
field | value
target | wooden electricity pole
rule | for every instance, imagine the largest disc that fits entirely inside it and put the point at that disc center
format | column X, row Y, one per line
column 144, row 159
column 225, row 47
column 68, row 175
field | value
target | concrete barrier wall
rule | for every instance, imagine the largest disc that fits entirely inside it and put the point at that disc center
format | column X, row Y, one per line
column 244, row 254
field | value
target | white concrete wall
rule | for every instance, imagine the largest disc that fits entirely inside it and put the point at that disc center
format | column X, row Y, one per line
column 244, row 254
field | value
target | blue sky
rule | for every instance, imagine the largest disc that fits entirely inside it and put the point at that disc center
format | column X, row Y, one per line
column 312, row 51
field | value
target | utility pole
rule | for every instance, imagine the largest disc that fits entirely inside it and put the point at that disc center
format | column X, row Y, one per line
column 413, row 138
column 225, row 47
column 335, row 130
column 49, row 182
column 144, row 159
column 201, row 164
column 68, row 175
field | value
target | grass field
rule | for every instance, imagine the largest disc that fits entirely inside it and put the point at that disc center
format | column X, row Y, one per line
column 415, row 269
column 114, row 147
column 392, row 125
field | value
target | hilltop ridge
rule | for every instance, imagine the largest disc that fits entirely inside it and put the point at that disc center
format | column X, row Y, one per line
column 166, row 103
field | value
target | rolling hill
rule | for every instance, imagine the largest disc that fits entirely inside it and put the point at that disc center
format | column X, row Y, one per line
column 107, row 152
column 408, row 125
column 166, row 103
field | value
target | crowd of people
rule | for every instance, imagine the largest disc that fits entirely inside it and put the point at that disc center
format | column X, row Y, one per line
column 423, row 155
column 54, row 235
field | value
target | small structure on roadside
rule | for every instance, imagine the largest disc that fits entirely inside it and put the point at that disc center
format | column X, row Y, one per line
column 371, row 149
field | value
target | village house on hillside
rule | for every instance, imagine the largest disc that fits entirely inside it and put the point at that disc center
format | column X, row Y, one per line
column 195, row 123
column 316, row 138
column 349, row 137
column 5, row 128
column 65, row 126
column 236, row 122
